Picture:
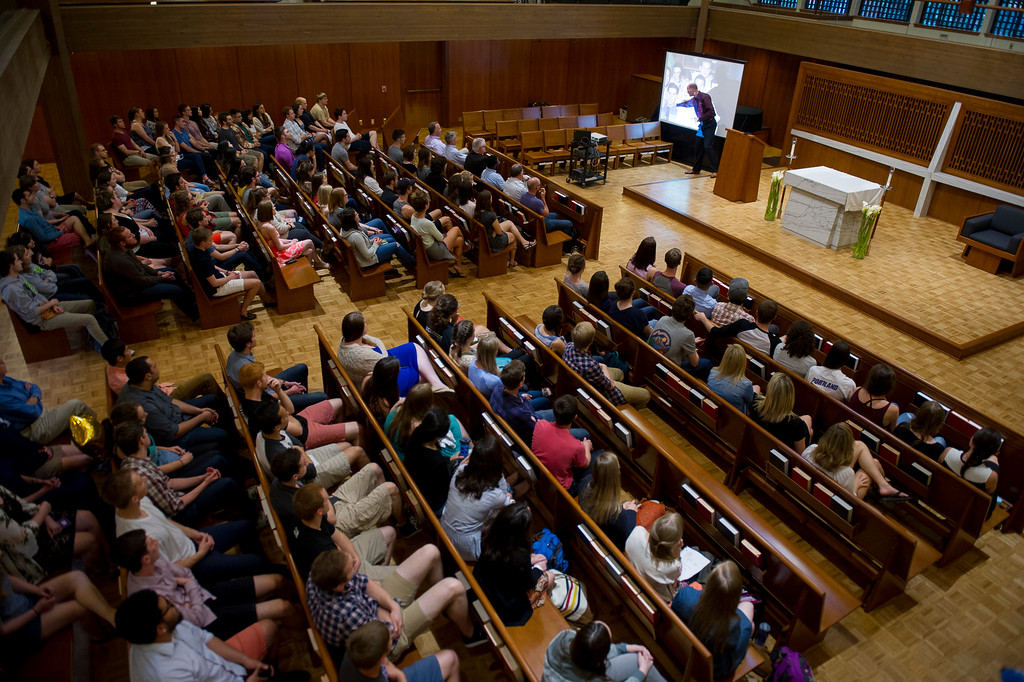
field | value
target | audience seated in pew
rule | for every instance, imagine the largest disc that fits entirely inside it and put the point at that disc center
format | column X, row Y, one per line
column 796, row 352
column 674, row 339
column 132, row 282
column 65, row 236
column 601, row 499
column 979, row 464
column 573, row 276
column 598, row 295
column 477, row 489
column 366, row 659
column 365, row 176
column 441, row 326
column 717, row 615
column 340, row 199
column 178, row 422
column 435, row 178
column 490, row 173
column 476, row 158
column 511, row 576
column 666, row 279
column 21, row 406
column 153, row 236
column 623, row 312
column 655, row 554
column 607, row 380
column 829, row 378
column 535, row 199
column 295, row 379
column 428, row 299
column 35, row 472
column 774, row 412
column 869, row 400
column 342, row 600
column 380, row 390
column 358, row 353
column 370, row 251
column 203, row 552
column 703, row 292
column 441, row 241
column 429, row 469
column 359, row 506
column 548, row 331
column 588, row 655
column 314, row 427
column 451, row 152
column 150, row 623
column 759, row 334
column 187, row 500
column 339, row 152
column 727, row 312
column 47, row 314
column 836, row 452
column 641, row 263
column 521, row 409
column 284, row 250
column 921, row 429
column 225, row 229
column 217, row 282
column 728, row 381
column 33, row 613
column 224, row 608
column 562, row 453
column 515, row 186
column 72, row 283
column 403, row 419
column 361, row 142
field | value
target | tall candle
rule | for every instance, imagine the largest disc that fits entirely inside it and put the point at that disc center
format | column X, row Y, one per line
column 888, row 180
column 792, row 149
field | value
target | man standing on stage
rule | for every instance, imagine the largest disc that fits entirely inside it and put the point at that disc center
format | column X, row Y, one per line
column 705, row 110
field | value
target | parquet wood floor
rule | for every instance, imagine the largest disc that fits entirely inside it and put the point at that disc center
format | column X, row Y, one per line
column 961, row 622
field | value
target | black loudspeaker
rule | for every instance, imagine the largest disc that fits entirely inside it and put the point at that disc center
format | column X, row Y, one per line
column 748, row 119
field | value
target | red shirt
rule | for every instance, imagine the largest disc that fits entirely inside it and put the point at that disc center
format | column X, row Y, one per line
column 122, row 138
column 558, row 451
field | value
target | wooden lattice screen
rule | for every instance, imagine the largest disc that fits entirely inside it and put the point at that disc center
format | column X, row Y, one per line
column 990, row 146
column 899, row 123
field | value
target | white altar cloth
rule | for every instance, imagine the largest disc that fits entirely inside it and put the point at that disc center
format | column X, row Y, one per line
column 824, row 205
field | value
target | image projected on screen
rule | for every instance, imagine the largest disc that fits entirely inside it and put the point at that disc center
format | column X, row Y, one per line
column 719, row 78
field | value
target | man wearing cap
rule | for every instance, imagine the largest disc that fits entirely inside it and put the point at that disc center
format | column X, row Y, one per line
column 727, row 313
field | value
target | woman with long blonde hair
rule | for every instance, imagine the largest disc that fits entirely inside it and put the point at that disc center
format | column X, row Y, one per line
column 601, row 499
column 835, row 454
column 655, row 555
column 718, row 619
column 728, row 382
column 775, row 413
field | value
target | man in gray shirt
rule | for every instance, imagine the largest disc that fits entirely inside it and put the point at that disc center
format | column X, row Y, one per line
column 674, row 339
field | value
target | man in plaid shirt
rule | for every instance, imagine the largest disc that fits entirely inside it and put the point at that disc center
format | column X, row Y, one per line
column 209, row 492
column 341, row 600
column 727, row 313
column 607, row 380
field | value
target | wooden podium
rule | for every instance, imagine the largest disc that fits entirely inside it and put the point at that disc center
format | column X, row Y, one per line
column 739, row 173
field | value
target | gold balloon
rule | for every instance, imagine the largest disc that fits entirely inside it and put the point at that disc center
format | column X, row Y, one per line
column 85, row 430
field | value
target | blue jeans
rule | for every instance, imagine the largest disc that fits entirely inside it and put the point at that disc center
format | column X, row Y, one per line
column 223, row 493
column 177, row 292
column 392, row 248
column 702, row 371
column 223, row 435
column 300, row 374
column 217, row 566
column 555, row 224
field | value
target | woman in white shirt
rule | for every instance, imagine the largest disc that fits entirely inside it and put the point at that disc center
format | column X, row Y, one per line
column 835, row 454
column 656, row 554
column 979, row 465
column 476, row 490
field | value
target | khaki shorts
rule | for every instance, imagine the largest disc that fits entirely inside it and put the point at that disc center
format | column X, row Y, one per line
column 414, row 621
column 360, row 504
column 372, row 549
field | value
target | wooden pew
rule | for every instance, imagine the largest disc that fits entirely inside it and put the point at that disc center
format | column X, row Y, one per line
column 803, row 601
column 882, row 554
column 319, row 651
column 521, row 650
column 293, row 282
column 568, row 204
column 910, row 391
column 39, row 345
column 953, row 513
column 653, row 623
column 136, row 323
column 220, row 311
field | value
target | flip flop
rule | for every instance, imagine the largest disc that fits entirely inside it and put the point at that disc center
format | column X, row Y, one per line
column 458, row 275
column 899, row 497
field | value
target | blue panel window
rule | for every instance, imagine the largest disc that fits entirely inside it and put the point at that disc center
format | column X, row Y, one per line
column 1009, row 24
column 892, row 10
column 829, row 6
column 787, row 4
column 943, row 15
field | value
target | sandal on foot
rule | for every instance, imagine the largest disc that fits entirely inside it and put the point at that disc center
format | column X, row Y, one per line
column 529, row 245
column 458, row 275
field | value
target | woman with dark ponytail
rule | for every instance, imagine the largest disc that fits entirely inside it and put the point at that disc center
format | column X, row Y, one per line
column 589, row 656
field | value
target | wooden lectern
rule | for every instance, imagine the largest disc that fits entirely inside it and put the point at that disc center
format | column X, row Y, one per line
column 739, row 173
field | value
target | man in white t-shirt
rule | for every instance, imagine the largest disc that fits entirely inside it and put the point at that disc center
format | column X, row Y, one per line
column 515, row 186
column 360, row 143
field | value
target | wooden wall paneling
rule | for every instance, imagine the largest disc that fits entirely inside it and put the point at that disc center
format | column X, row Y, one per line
column 510, row 73
column 953, row 204
column 468, row 64
column 267, row 74
column 38, row 146
column 549, row 70
column 372, row 65
column 323, row 68
column 423, row 78
column 780, row 82
column 110, row 83
column 208, row 75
